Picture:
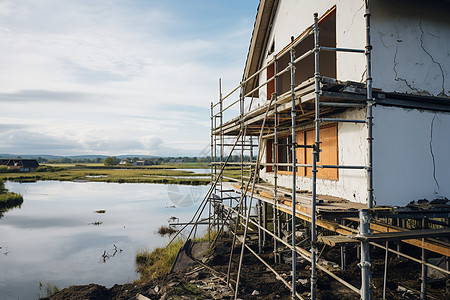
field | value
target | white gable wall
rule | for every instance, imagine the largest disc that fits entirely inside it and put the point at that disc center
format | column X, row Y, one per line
column 295, row 16
column 411, row 46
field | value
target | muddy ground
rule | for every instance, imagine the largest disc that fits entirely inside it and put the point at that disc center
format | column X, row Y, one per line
column 204, row 278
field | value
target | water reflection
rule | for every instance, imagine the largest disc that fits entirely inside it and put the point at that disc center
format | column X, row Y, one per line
column 51, row 237
column 198, row 171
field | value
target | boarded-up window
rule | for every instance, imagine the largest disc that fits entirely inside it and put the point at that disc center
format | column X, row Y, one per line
column 329, row 153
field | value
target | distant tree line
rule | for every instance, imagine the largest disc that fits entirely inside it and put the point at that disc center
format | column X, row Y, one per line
column 113, row 160
column 66, row 160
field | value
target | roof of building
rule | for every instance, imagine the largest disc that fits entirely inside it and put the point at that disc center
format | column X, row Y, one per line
column 18, row 162
column 260, row 35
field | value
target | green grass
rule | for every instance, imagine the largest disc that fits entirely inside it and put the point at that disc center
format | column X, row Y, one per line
column 47, row 289
column 163, row 174
column 98, row 173
column 156, row 263
column 9, row 200
column 159, row 261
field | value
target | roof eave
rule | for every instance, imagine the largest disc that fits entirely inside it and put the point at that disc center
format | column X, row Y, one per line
column 258, row 43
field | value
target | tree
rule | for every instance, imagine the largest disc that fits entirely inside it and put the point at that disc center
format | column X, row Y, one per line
column 65, row 160
column 110, row 161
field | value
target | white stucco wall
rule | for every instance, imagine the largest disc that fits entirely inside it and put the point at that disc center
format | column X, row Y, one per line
column 411, row 158
column 352, row 148
column 295, row 16
column 411, row 41
column 411, row 54
column 411, row 155
column 411, row 46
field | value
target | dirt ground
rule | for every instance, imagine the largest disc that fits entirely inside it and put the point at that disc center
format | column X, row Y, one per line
column 204, row 278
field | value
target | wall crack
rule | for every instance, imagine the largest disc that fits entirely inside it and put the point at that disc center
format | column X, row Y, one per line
column 353, row 19
column 432, row 154
column 397, row 78
column 431, row 57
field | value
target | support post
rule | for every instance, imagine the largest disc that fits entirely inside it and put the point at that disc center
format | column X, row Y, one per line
column 369, row 114
column 264, row 220
column 213, row 166
column 277, row 225
column 385, row 269
column 343, row 258
column 260, row 223
column 365, row 264
column 241, row 110
column 447, row 267
column 316, row 150
column 294, row 177
column 222, row 142
column 424, row 273
column 399, row 243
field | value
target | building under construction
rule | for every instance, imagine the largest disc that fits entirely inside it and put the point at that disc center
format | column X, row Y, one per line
column 343, row 114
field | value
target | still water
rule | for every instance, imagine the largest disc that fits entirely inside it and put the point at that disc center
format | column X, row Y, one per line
column 57, row 237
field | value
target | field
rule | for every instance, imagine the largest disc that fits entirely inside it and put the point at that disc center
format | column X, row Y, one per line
column 166, row 174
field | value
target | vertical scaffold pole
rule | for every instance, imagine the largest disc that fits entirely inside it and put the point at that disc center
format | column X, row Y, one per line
column 276, row 222
column 212, row 170
column 365, row 265
column 221, row 140
column 316, row 150
column 215, row 171
column 294, row 176
column 369, row 105
column 424, row 273
column 447, row 267
column 386, row 256
column 241, row 111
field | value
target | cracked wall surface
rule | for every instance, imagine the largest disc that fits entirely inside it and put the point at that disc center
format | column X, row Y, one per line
column 411, row 156
column 411, row 46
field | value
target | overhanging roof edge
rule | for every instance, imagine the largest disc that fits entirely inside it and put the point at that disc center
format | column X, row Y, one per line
column 258, row 41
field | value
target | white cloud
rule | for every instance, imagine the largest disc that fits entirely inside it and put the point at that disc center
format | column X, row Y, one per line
column 112, row 76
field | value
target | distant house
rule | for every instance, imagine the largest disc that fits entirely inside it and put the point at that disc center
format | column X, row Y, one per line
column 143, row 163
column 23, row 165
column 124, row 162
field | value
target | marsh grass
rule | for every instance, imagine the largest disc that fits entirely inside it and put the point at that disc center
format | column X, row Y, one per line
column 162, row 174
column 47, row 289
column 9, row 200
column 156, row 263
column 101, row 174
column 159, row 261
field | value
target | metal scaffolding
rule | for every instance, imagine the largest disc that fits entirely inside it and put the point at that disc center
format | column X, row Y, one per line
column 268, row 120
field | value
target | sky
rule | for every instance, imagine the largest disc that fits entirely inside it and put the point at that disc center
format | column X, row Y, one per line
column 117, row 77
